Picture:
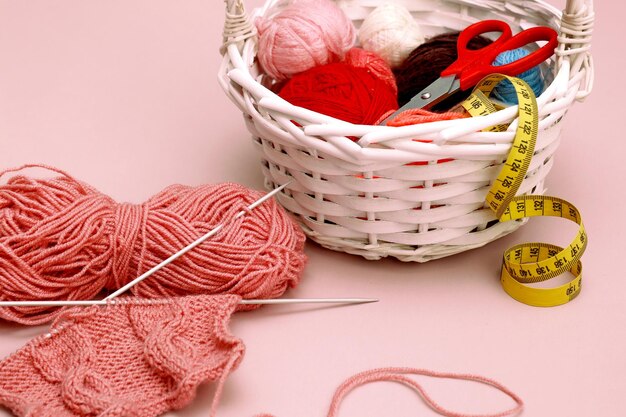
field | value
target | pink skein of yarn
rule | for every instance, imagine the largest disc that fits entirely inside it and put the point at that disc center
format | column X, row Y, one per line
column 372, row 62
column 60, row 239
column 305, row 34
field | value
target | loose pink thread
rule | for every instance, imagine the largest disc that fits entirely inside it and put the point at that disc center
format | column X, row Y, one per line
column 400, row 375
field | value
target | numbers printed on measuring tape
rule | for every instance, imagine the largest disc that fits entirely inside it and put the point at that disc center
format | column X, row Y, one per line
column 528, row 263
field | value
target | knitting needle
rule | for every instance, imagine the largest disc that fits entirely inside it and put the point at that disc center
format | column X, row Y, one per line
column 194, row 244
column 109, row 298
column 75, row 303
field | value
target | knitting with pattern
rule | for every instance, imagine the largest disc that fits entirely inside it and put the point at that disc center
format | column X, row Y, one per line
column 134, row 358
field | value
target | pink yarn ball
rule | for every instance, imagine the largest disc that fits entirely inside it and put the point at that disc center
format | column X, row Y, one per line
column 305, row 34
column 372, row 62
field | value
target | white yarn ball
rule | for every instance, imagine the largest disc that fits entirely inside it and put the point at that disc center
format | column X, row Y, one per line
column 391, row 32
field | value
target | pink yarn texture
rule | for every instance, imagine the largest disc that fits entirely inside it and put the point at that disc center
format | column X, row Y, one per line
column 361, row 58
column 305, row 34
column 60, row 239
column 138, row 358
column 418, row 116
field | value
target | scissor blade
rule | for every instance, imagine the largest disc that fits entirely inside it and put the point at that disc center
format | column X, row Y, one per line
column 436, row 92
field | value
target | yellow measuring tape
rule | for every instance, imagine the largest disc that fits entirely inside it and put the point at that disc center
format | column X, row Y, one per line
column 528, row 263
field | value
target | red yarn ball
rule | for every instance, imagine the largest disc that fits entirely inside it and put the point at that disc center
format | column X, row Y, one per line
column 342, row 91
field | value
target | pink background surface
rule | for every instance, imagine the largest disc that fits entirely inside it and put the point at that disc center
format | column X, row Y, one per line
column 123, row 95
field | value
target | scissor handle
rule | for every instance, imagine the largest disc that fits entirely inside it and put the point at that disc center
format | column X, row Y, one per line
column 535, row 34
column 482, row 64
column 468, row 57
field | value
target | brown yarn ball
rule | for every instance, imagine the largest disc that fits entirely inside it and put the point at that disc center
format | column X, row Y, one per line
column 425, row 64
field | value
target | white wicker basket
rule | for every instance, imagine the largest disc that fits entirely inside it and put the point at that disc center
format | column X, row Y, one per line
column 363, row 198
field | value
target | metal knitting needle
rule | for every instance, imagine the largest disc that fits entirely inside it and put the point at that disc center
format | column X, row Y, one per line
column 212, row 232
column 194, row 244
column 76, row 303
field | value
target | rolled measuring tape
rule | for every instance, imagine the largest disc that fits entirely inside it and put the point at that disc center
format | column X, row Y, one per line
column 528, row 263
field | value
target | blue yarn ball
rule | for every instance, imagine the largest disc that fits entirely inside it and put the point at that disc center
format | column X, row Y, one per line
column 505, row 91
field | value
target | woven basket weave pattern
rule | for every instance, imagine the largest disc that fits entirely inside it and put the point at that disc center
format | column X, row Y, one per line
column 387, row 194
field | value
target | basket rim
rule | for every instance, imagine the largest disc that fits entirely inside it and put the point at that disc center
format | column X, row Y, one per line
column 328, row 135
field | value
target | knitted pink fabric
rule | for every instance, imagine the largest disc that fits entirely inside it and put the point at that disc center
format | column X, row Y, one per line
column 135, row 358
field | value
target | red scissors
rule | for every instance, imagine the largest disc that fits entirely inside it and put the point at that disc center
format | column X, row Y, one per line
column 473, row 65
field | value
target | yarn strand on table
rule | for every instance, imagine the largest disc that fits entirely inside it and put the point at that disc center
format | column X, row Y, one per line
column 403, row 376
column 400, row 375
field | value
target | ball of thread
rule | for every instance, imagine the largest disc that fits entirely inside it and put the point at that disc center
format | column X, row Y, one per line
column 505, row 91
column 61, row 239
column 360, row 58
column 341, row 91
column 305, row 34
column 425, row 64
column 391, row 32
column 419, row 116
